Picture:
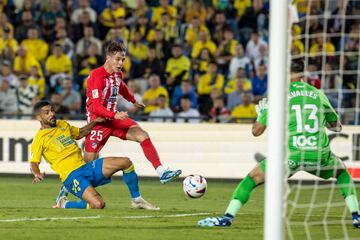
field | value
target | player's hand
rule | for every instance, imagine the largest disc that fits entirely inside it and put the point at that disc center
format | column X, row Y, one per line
column 99, row 119
column 38, row 178
column 121, row 115
column 261, row 106
column 139, row 105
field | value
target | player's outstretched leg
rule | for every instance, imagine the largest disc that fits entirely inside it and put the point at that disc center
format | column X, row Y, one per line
column 348, row 191
column 113, row 164
column 240, row 196
column 136, row 133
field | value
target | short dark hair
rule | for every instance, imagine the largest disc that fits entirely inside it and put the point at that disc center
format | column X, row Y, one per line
column 114, row 47
column 40, row 105
column 186, row 97
column 297, row 66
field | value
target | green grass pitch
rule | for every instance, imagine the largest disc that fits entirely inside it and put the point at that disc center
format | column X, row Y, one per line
column 20, row 199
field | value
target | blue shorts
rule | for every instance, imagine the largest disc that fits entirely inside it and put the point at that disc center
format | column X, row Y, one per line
column 89, row 174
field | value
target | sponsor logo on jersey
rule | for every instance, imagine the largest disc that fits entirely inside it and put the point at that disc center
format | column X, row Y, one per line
column 95, row 93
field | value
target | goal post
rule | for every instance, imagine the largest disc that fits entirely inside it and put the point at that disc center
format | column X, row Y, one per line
column 277, row 124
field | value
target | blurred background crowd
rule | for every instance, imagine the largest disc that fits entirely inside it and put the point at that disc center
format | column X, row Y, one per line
column 187, row 60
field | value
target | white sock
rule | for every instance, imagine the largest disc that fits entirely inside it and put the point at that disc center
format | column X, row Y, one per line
column 137, row 199
column 234, row 207
column 352, row 203
column 160, row 170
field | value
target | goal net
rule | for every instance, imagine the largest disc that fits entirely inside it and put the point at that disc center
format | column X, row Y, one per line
column 325, row 34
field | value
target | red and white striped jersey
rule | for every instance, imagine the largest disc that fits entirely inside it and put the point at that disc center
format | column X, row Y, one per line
column 102, row 91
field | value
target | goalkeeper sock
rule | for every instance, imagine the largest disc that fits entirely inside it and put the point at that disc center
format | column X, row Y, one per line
column 348, row 190
column 131, row 179
column 241, row 195
column 150, row 153
column 76, row 204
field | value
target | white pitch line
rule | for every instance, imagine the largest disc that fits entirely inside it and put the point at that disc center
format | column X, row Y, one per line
column 166, row 216
column 47, row 219
column 99, row 216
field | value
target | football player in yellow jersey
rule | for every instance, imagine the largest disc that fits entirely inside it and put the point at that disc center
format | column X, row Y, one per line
column 55, row 141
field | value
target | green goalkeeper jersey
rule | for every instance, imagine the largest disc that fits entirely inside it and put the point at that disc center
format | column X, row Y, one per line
column 309, row 111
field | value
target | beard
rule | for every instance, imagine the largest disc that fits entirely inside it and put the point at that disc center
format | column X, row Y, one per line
column 52, row 122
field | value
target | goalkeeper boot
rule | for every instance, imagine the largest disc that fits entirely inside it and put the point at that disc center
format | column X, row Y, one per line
column 224, row 221
column 356, row 219
column 169, row 175
column 141, row 203
column 63, row 192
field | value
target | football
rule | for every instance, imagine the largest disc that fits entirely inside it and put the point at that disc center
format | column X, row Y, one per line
column 194, row 186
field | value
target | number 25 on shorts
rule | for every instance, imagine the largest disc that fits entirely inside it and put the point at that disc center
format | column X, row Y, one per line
column 96, row 135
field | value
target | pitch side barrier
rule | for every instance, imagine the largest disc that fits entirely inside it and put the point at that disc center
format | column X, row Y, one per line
column 212, row 150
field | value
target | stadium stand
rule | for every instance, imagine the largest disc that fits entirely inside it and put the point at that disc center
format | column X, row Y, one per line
column 192, row 46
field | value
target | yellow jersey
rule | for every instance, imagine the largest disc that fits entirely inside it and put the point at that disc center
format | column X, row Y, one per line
column 58, row 147
column 26, row 63
column 247, row 112
column 60, row 64
column 198, row 45
column 37, row 48
column 207, row 82
column 231, row 85
column 8, row 42
column 176, row 66
column 152, row 94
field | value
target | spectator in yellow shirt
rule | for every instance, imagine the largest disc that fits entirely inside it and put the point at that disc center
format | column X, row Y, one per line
column 36, row 46
column 297, row 46
column 36, row 80
column 245, row 110
column 24, row 61
column 226, row 50
column 321, row 44
column 58, row 62
column 240, row 6
column 163, row 8
column 4, row 23
column 138, row 52
column 7, row 40
column 210, row 80
column 150, row 96
column 177, row 68
column 204, row 42
column 168, row 27
column 119, row 32
column 108, row 15
column 240, row 75
column 200, row 65
column 142, row 25
column 193, row 30
column 196, row 9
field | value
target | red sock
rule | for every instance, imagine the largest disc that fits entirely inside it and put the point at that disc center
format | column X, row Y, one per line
column 150, row 152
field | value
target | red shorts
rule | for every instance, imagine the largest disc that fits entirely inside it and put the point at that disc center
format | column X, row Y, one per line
column 99, row 135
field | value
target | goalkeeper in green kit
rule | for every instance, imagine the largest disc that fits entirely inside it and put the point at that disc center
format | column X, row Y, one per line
column 309, row 113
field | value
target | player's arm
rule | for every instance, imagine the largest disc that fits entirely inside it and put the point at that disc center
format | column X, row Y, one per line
column 85, row 130
column 38, row 176
column 36, row 153
column 331, row 117
column 258, row 129
column 129, row 96
column 334, row 126
column 259, row 126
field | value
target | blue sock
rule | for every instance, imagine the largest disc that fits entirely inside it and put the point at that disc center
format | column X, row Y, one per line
column 76, row 204
column 131, row 179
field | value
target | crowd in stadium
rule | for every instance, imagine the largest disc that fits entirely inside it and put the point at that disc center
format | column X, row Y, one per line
column 186, row 58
